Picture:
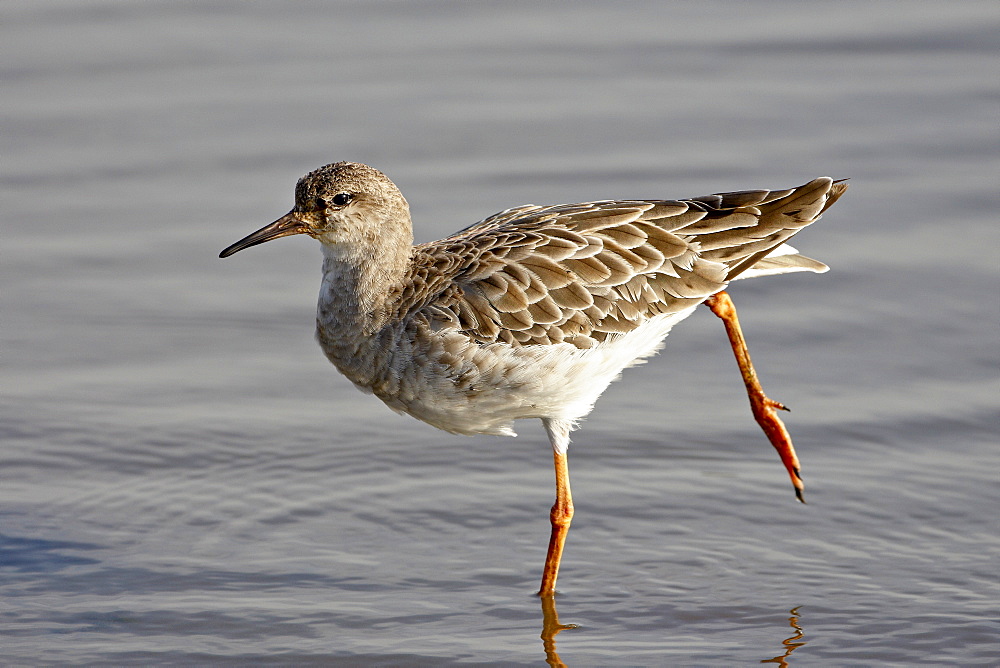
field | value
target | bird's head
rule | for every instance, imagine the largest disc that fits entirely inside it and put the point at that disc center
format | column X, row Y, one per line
column 341, row 204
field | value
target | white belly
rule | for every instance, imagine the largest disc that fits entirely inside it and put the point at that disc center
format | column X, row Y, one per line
column 484, row 388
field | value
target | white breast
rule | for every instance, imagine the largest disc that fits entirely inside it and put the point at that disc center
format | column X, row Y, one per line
column 489, row 386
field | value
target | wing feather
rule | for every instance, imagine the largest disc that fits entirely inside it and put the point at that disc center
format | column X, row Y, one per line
column 579, row 273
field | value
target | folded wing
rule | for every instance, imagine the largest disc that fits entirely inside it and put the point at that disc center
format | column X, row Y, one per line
column 579, row 273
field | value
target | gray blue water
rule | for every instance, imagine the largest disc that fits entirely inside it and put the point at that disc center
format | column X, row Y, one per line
column 184, row 480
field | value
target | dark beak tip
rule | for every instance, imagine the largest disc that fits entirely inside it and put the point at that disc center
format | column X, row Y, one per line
column 232, row 249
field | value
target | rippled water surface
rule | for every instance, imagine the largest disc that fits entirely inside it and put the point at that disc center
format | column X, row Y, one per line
column 185, row 480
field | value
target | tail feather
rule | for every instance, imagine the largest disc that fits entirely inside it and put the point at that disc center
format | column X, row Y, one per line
column 784, row 217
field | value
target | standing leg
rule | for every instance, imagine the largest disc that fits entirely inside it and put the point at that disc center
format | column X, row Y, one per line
column 764, row 409
column 562, row 512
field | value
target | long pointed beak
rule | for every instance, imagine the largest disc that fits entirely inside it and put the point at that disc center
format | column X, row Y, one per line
column 285, row 226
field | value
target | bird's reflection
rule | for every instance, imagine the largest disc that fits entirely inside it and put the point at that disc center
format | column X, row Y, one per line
column 789, row 642
column 550, row 628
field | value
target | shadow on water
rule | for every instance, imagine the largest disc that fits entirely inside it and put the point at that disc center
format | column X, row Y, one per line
column 34, row 555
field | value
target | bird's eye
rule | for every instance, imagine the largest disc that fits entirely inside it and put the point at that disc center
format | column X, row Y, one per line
column 341, row 199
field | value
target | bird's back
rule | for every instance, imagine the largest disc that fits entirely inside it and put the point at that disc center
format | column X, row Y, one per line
column 579, row 273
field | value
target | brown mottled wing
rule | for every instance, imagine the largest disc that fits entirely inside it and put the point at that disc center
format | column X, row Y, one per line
column 582, row 272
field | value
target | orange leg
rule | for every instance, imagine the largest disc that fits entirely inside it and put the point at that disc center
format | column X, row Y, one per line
column 561, row 516
column 765, row 410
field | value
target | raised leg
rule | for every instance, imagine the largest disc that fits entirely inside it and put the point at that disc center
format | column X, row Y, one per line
column 562, row 511
column 764, row 409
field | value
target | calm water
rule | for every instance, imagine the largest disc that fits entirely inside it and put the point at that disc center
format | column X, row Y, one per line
column 186, row 481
